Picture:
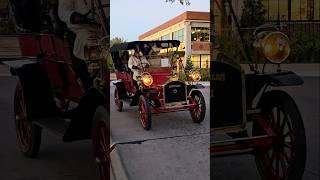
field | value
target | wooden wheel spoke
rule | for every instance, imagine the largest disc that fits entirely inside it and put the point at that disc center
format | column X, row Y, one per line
column 278, row 117
column 287, row 134
column 277, row 165
column 287, row 145
column 284, row 122
column 284, row 166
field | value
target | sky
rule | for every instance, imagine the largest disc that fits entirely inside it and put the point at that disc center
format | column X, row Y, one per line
column 131, row 18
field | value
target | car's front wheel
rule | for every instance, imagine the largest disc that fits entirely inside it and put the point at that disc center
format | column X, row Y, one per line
column 285, row 159
column 117, row 100
column 145, row 112
column 199, row 111
column 101, row 141
column 28, row 134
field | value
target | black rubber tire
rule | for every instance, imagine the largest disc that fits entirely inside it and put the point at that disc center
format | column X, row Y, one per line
column 202, row 114
column 148, row 111
column 30, row 149
column 296, row 164
column 101, row 124
column 119, row 105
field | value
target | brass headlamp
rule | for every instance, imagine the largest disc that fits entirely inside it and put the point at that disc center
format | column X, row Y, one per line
column 195, row 75
column 272, row 45
column 146, row 79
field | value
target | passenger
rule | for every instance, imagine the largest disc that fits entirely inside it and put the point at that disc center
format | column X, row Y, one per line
column 137, row 62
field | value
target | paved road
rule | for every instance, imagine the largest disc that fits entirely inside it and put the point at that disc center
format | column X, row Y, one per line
column 243, row 167
column 185, row 157
column 57, row 160
column 179, row 149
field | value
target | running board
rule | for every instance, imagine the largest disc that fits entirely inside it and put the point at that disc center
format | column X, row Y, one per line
column 241, row 144
column 227, row 129
column 57, row 126
column 232, row 153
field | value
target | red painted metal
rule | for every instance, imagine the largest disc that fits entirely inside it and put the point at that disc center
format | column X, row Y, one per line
column 164, row 109
column 56, row 60
column 103, row 151
column 143, row 114
column 262, row 142
column 160, row 75
column 23, row 125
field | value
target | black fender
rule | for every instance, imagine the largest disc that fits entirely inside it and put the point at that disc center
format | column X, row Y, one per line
column 121, row 88
column 37, row 90
column 287, row 78
column 82, row 116
column 190, row 87
column 257, row 82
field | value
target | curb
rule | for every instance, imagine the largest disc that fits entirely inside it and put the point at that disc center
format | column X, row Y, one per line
column 117, row 169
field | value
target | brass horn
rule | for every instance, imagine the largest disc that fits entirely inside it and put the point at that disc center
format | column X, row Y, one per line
column 272, row 44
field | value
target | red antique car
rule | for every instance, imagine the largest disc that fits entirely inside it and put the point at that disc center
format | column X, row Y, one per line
column 251, row 110
column 50, row 94
column 161, row 87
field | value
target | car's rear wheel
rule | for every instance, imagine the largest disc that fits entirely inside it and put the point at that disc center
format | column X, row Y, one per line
column 199, row 111
column 28, row 134
column 101, row 142
column 117, row 100
column 285, row 159
column 145, row 112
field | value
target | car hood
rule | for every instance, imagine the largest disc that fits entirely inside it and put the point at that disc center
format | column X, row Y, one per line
column 160, row 75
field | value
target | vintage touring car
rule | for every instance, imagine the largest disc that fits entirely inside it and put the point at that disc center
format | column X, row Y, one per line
column 258, row 117
column 162, row 86
column 50, row 93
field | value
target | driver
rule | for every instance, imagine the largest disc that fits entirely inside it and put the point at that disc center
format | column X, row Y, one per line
column 75, row 14
column 136, row 62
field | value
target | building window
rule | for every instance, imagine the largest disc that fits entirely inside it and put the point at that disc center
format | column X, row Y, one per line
column 165, row 37
column 201, row 61
column 178, row 35
column 200, row 34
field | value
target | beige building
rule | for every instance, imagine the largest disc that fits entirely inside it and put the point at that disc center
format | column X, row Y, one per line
column 192, row 30
column 295, row 10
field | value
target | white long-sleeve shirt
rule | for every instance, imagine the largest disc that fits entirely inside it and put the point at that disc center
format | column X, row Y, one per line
column 65, row 10
column 134, row 61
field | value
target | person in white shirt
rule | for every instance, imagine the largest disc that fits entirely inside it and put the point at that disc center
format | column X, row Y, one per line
column 75, row 13
column 136, row 63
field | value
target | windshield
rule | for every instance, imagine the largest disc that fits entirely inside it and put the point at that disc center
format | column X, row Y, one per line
column 157, row 55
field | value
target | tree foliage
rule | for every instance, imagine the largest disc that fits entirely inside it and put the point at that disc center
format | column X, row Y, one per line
column 117, row 40
column 252, row 13
column 186, row 2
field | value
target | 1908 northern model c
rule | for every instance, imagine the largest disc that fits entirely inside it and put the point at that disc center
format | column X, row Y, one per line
column 159, row 87
column 49, row 94
column 243, row 101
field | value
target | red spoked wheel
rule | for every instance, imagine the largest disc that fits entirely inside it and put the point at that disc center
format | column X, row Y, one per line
column 285, row 159
column 101, row 142
column 198, row 113
column 28, row 134
column 117, row 100
column 145, row 112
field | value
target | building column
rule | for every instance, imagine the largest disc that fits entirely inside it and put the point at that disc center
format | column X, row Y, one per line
column 187, row 40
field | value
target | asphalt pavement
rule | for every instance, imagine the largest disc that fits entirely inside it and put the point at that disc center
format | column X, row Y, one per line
column 174, row 148
column 56, row 160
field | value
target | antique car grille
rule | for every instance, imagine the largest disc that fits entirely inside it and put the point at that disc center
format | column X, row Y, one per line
column 175, row 91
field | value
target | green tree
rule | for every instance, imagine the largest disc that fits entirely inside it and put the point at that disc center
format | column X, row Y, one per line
column 186, row 2
column 117, row 40
column 252, row 13
column 189, row 64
